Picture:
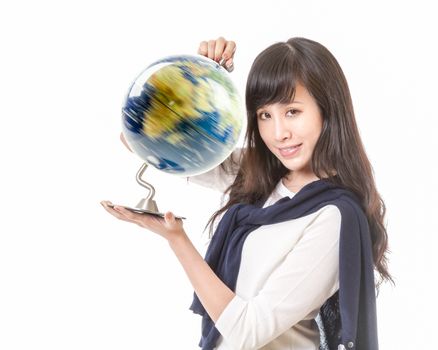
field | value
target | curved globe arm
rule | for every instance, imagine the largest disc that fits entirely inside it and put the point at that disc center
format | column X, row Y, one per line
column 143, row 183
column 148, row 202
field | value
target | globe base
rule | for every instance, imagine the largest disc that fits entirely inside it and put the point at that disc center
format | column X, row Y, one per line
column 148, row 204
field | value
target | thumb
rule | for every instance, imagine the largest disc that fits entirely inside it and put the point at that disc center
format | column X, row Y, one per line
column 169, row 217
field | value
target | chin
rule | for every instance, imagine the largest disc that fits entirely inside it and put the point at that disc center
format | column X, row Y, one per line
column 296, row 166
column 292, row 167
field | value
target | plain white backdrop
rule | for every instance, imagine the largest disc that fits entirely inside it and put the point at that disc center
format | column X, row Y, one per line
column 72, row 276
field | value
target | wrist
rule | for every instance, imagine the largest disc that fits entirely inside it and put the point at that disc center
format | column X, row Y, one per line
column 178, row 239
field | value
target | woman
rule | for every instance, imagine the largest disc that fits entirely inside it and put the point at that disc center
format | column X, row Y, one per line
column 290, row 265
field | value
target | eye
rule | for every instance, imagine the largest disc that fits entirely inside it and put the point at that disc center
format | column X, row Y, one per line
column 293, row 112
column 264, row 115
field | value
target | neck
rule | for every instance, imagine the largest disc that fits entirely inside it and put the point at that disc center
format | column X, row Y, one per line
column 296, row 182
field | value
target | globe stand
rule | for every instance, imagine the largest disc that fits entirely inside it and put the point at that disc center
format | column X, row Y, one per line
column 147, row 203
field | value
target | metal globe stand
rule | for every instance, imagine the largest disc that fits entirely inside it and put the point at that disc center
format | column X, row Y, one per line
column 148, row 202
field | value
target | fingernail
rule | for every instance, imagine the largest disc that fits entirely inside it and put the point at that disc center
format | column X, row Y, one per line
column 225, row 56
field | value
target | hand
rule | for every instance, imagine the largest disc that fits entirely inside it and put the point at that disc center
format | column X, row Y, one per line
column 169, row 228
column 219, row 49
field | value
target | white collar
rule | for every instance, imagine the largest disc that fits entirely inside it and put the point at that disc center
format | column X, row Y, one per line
column 283, row 190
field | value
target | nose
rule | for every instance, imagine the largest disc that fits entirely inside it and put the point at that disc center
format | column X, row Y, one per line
column 281, row 129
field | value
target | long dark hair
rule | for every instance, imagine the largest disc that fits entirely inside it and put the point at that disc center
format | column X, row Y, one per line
column 273, row 78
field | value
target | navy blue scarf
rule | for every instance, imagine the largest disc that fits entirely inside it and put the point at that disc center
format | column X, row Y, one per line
column 349, row 316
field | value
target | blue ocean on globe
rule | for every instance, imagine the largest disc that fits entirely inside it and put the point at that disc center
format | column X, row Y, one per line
column 183, row 115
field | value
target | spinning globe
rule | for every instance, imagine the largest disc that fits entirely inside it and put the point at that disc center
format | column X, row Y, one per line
column 183, row 115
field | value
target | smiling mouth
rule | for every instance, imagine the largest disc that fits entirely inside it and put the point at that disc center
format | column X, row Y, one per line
column 291, row 146
column 289, row 151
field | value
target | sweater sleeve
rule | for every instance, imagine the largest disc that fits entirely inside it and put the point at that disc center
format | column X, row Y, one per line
column 220, row 177
column 301, row 283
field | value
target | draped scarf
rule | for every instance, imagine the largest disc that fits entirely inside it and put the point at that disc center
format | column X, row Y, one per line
column 348, row 318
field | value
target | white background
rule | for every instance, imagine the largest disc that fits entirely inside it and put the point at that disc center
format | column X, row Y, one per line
column 74, row 277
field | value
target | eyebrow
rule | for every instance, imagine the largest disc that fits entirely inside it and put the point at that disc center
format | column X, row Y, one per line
column 291, row 102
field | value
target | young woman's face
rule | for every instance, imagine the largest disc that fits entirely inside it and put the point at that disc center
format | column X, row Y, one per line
column 284, row 126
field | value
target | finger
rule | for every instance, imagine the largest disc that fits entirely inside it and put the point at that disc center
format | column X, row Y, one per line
column 169, row 217
column 203, row 48
column 141, row 220
column 106, row 205
column 219, row 48
column 127, row 214
column 110, row 210
column 229, row 50
column 210, row 48
column 117, row 214
column 229, row 65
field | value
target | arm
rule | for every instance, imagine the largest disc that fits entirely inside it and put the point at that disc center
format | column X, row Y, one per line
column 212, row 292
column 306, row 278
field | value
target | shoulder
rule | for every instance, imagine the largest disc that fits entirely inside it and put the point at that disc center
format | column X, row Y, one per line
column 342, row 209
column 325, row 225
column 328, row 214
column 353, row 227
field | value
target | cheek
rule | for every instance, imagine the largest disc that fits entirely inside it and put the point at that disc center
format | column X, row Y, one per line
column 262, row 132
column 313, row 140
column 317, row 133
column 311, row 130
